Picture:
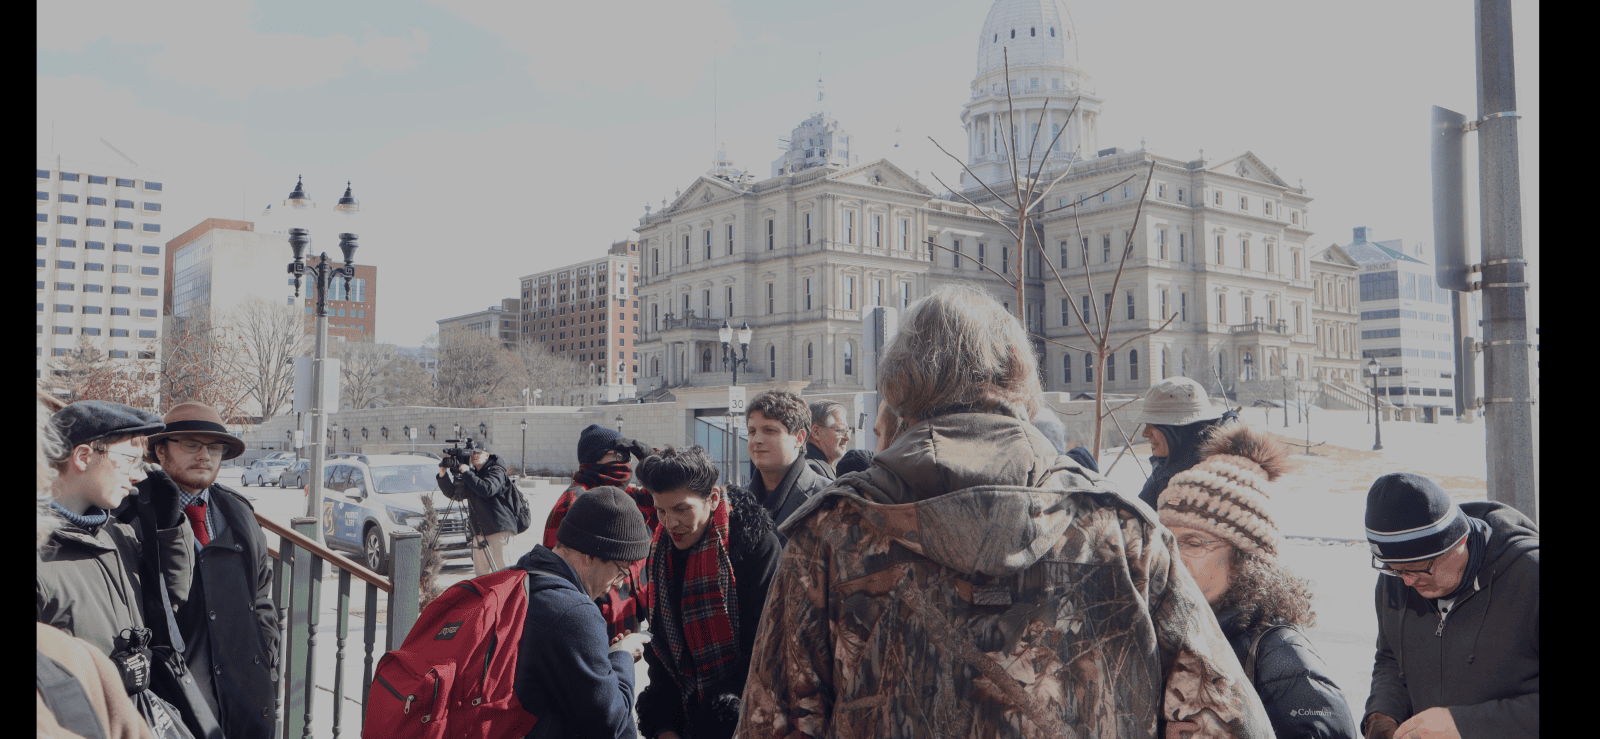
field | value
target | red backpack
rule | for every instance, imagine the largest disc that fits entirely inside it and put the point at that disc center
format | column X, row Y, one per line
column 453, row 675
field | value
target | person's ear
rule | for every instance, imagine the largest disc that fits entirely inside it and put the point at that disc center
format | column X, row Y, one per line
column 716, row 496
column 80, row 460
column 801, row 436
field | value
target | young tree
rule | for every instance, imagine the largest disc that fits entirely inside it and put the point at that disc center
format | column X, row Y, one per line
column 1018, row 214
column 266, row 337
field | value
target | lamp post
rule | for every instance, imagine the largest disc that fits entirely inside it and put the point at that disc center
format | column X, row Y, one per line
column 730, row 358
column 333, row 434
column 523, row 468
column 619, row 419
column 1377, row 420
column 321, row 277
column 1283, row 376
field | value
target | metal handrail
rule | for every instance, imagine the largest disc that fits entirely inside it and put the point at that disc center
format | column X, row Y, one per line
column 299, row 598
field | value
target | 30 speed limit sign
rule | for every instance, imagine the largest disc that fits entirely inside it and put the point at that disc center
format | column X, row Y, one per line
column 736, row 400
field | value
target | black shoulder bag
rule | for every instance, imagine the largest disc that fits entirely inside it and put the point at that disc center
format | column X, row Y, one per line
column 171, row 679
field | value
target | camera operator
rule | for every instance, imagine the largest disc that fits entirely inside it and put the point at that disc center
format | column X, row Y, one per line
column 490, row 512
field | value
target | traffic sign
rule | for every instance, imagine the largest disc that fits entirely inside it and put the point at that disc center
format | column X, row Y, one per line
column 736, row 400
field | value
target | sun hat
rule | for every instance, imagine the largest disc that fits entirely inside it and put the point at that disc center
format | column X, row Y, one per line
column 201, row 420
column 1177, row 401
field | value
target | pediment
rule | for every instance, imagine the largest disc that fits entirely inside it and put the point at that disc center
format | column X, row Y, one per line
column 1249, row 166
column 882, row 173
column 1335, row 255
column 704, row 190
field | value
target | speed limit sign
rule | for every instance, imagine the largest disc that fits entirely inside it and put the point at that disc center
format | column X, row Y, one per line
column 736, row 400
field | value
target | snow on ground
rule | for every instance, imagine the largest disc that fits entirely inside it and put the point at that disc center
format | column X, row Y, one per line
column 1321, row 498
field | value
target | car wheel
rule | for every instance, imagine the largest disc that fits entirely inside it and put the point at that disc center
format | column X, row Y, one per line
column 372, row 549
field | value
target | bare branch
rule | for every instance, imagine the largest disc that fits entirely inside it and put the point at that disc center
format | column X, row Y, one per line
column 1127, row 446
column 1127, row 247
column 1088, row 197
column 1151, row 332
column 1065, row 171
column 969, row 171
column 981, row 210
column 1124, row 405
column 1061, row 343
column 1008, row 281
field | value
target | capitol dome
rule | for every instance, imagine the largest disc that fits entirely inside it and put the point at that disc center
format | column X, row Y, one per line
column 1041, row 40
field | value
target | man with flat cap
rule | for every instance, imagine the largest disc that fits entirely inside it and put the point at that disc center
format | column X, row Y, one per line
column 567, row 673
column 1458, row 615
column 230, row 623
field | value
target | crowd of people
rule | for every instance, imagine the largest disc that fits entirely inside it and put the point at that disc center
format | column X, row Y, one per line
column 972, row 575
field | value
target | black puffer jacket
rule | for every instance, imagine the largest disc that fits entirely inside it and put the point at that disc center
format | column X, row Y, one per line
column 488, row 494
column 753, row 550
column 1292, row 680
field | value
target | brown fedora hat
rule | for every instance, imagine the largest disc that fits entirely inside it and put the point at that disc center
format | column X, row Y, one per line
column 201, row 420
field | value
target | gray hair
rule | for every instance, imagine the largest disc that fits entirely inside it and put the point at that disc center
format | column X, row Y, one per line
column 821, row 408
column 959, row 351
column 49, row 447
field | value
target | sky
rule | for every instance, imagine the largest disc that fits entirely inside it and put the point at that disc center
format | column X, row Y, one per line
column 490, row 139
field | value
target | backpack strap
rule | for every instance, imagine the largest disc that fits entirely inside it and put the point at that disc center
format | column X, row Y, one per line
column 66, row 698
column 1250, row 660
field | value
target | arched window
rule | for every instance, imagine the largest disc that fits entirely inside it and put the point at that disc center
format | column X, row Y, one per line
column 1111, row 368
column 655, row 366
column 705, row 360
column 1013, row 33
column 772, row 361
column 1066, row 369
column 1163, row 364
column 1133, row 365
column 1033, row 31
column 1249, row 366
column 1088, row 368
column 849, row 357
column 1300, row 366
column 808, row 358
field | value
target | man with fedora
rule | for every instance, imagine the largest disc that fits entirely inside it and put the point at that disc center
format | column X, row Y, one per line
column 578, row 683
column 230, row 623
column 1458, row 615
column 1177, row 415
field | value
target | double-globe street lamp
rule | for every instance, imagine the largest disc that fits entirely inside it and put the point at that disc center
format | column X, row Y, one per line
column 1373, row 369
column 320, row 277
column 734, row 359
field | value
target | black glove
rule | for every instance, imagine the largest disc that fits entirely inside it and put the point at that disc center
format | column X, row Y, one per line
column 164, row 498
column 637, row 448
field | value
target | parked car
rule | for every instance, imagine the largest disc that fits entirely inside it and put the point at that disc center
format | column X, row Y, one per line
column 367, row 497
column 297, row 474
column 286, row 456
column 264, row 471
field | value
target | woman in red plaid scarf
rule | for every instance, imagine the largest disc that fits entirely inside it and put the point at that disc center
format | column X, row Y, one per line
column 603, row 460
column 713, row 557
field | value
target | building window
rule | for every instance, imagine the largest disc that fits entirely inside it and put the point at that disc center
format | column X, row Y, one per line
column 1005, row 260
column 69, row 220
column 1294, row 264
column 1061, row 261
column 1088, row 368
column 67, row 198
column 849, row 293
column 1294, row 217
column 122, row 224
column 955, row 257
column 730, row 301
column 97, row 245
column 1244, row 203
column 1164, row 312
column 769, row 299
column 905, row 295
column 68, row 177
column 877, row 292
column 93, row 267
column 1183, row 306
column 156, row 186
column 124, row 204
column 685, row 251
column 1248, row 316
column 1220, row 258
column 1267, row 206
column 66, row 264
column 655, row 261
column 1066, row 369
column 60, row 330
column 808, row 358
column 707, row 233
column 1086, row 308
column 1105, row 248
column 770, row 235
column 1161, row 190
column 808, row 293
column 1269, row 249
column 849, row 357
column 1244, row 253
column 982, row 253
column 147, row 333
column 1380, row 286
column 705, row 360
column 1133, row 365
column 849, row 227
column 730, row 239
column 1066, row 313
column 905, row 234
column 877, row 230
column 147, row 313
column 772, row 361
column 1161, row 244
column 1130, row 305
column 808, row 227
column 1298, row 326
column 1163, row 363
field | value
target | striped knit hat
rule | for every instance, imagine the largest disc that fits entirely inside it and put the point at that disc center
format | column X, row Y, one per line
column 1226, row 493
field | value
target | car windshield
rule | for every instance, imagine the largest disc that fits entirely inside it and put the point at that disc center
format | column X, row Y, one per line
column 409, row 478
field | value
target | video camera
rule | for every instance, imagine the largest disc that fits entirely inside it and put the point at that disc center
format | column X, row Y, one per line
column 459, row 454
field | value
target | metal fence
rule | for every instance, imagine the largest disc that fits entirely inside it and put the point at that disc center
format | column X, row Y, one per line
column 299, row 610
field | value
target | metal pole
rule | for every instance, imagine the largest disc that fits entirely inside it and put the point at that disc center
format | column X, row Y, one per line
column 319, row 420
column 1512, row 437
column 1377, row 420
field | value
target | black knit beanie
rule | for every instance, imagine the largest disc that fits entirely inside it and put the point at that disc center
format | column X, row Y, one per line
column 854, row 460
column 1410, row 518
column 594, row 442
column 606, row 523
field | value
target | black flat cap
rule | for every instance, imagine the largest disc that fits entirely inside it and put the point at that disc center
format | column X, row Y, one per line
column 88, row 420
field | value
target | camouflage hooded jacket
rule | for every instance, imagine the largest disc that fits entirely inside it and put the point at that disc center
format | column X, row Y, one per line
column 974, row 583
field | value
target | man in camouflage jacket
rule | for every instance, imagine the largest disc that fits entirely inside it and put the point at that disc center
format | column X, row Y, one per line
column 974, row 583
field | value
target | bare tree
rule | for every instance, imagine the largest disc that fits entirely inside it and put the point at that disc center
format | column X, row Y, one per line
column 87, row 373
column 409, row 381
column 545, row 370
column 1019, row 216
column 363, row 371
column 266, row 337
column 195, row 367
column 475, row 370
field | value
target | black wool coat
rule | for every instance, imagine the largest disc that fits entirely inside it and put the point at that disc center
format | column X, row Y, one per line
column 230, row 622
column 488, row 495
column 754, row 551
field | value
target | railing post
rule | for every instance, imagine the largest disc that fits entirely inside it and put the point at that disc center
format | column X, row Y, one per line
column 307, row 527
column 343, row 632
column 406, row 578
column 369, row 637
column 294, row 675
column 285, row 558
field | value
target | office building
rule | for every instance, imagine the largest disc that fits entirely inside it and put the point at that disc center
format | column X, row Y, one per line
column 589, row 312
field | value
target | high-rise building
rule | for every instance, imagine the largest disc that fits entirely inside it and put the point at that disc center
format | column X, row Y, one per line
column 98, row 262
column 589, row 312
column 217, row 264
column 502, row 320
column 1406, row 323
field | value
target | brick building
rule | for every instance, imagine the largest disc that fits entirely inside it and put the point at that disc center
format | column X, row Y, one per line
column 589, row 311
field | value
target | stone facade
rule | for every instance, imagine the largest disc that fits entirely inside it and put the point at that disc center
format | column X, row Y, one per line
column 1334, row 316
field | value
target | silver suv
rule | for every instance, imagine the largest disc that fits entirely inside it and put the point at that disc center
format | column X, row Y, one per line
column 366, row 497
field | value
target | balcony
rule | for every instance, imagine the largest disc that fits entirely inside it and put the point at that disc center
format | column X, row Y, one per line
column 690, row 321
column 1260, row 327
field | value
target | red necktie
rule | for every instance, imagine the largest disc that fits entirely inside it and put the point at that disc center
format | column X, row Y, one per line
column 197, row 519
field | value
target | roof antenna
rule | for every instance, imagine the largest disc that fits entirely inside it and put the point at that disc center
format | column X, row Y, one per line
column 713, row 109
column 819, row 84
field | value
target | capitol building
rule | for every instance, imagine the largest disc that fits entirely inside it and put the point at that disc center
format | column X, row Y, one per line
column 1223, row 245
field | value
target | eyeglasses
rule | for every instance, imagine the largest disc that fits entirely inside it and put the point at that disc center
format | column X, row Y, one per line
column 842, row 430
column 1193, row 546
column 622, row 568
column 133, row 459
column 190, row 446
column 1384, row 568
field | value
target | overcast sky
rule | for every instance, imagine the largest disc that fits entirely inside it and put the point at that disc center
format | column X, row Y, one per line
column 490, row 139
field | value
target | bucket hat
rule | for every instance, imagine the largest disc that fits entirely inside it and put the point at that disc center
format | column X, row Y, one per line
column 1177, row 401
column 198, row 419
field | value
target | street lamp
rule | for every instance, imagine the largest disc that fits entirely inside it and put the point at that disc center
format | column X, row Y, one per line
column 322, row 275
column 729, row 357
column 1284, row 376
column 1377, row 420
column 523, row 471
column 618, row 419
column 333, row 433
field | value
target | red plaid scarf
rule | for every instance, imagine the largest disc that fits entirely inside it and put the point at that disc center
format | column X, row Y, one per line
column 704, row 647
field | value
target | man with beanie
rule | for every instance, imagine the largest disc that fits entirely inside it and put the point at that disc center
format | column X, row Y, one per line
column 569, row 674
column 1458, row 615
column 230, row 623
column 603, row 461
column 490, row 510
column 89, row 579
